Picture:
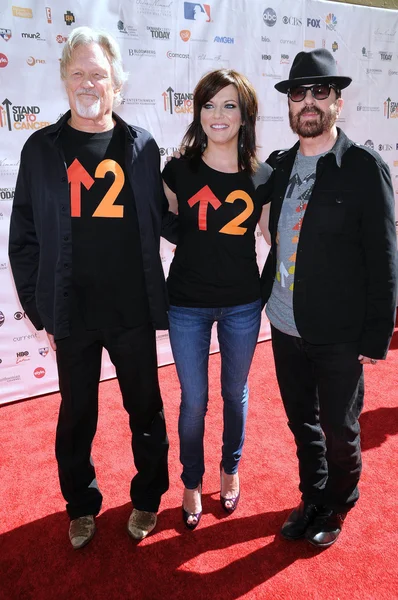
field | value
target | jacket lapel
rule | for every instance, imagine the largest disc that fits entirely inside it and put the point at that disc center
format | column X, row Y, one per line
column 283, row 168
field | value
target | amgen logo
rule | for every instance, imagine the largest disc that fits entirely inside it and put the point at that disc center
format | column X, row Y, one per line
column 269, row 17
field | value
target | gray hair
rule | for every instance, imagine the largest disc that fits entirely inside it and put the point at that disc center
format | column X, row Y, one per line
column 83, row 36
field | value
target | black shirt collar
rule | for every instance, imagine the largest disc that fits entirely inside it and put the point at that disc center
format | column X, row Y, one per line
column 340, row 147
column 56, row 128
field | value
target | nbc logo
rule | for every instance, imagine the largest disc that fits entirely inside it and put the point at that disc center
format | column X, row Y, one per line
column 331, row 22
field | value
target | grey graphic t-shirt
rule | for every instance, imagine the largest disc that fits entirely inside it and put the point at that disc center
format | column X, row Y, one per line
column 280, row 304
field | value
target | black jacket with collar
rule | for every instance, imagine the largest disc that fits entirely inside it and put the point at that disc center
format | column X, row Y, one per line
column 346, row 264
column 40, row 245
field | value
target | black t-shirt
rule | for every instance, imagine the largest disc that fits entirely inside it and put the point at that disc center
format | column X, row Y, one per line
column 215, row 260
column 108, row 287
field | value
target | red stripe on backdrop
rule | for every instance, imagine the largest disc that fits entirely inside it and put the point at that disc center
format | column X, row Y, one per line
column 227, row 557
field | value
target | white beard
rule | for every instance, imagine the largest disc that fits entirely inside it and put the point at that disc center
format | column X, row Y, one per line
column 88, row 111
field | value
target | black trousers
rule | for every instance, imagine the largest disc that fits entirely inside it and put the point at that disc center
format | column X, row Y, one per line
column 322, row 390
column 133, row 352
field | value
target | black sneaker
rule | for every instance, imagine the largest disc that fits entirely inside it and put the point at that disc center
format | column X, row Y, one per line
column 326, row 528
column 298, row 521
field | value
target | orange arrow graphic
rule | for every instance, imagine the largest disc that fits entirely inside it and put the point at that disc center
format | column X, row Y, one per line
column 205, row 197
column 77, row 175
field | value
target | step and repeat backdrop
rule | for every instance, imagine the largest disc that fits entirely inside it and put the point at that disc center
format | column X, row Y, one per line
column 167, row 45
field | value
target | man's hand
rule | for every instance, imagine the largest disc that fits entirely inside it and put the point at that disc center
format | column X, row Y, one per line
column 51, row 340
column 365, row 360
column 177, row 154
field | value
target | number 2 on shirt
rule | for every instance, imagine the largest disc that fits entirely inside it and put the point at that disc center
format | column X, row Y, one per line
column 205, row 197
column 78, row 176
column 233, row 227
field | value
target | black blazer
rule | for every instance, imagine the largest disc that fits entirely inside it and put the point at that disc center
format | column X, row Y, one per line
column 40, row 245
column 346, row 267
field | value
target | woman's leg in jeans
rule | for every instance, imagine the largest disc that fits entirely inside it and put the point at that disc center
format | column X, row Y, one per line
column 238, row 329
column 190, row 331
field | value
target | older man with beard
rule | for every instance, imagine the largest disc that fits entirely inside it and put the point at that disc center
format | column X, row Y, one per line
column 84, row 251
column 330, row 287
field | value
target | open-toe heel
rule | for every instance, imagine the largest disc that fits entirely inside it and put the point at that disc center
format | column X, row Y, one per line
column 186, row 515
column 234, row 501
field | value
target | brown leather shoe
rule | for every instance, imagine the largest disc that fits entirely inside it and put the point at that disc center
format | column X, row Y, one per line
column 141, row 523
column 81, row 531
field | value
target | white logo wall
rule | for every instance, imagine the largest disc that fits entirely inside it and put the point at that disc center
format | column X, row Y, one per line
column 167, row 45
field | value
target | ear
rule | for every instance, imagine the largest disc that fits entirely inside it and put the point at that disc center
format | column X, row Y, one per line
column 340, row 104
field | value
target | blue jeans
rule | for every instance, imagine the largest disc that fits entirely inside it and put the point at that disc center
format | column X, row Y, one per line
column 190, row 333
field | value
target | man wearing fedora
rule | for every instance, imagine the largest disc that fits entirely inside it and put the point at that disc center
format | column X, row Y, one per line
column 330, row 287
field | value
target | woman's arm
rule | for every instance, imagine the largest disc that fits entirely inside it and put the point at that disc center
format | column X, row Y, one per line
column 170, row 218
column 263, row 223
column 171, row 197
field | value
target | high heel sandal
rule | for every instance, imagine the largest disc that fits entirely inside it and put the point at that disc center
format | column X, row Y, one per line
column 234, row 501
column 186, row 515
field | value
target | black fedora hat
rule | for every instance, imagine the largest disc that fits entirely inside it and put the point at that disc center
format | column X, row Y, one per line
column 316, row 66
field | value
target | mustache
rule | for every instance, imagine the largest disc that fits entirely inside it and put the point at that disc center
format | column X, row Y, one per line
column 310, row 109
column 87, row 91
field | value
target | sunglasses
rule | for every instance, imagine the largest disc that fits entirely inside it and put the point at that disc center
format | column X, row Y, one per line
column 319, row 91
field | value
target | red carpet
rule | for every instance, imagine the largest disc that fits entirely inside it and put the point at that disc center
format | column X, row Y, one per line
column 227, row 557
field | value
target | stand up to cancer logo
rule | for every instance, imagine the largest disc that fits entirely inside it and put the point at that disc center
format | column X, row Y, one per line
column 390, row 109
column 177, row 102
column 20, row 117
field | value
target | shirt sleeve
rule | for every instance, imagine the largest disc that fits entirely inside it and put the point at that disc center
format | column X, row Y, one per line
column 380, row 256
column 169, row 173
column 24, row 249
column 264, row 185
column 262, row 174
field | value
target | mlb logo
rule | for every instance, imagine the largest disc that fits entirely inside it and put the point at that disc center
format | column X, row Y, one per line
column 197, row 12
column 5, row 34
column 43, row 351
